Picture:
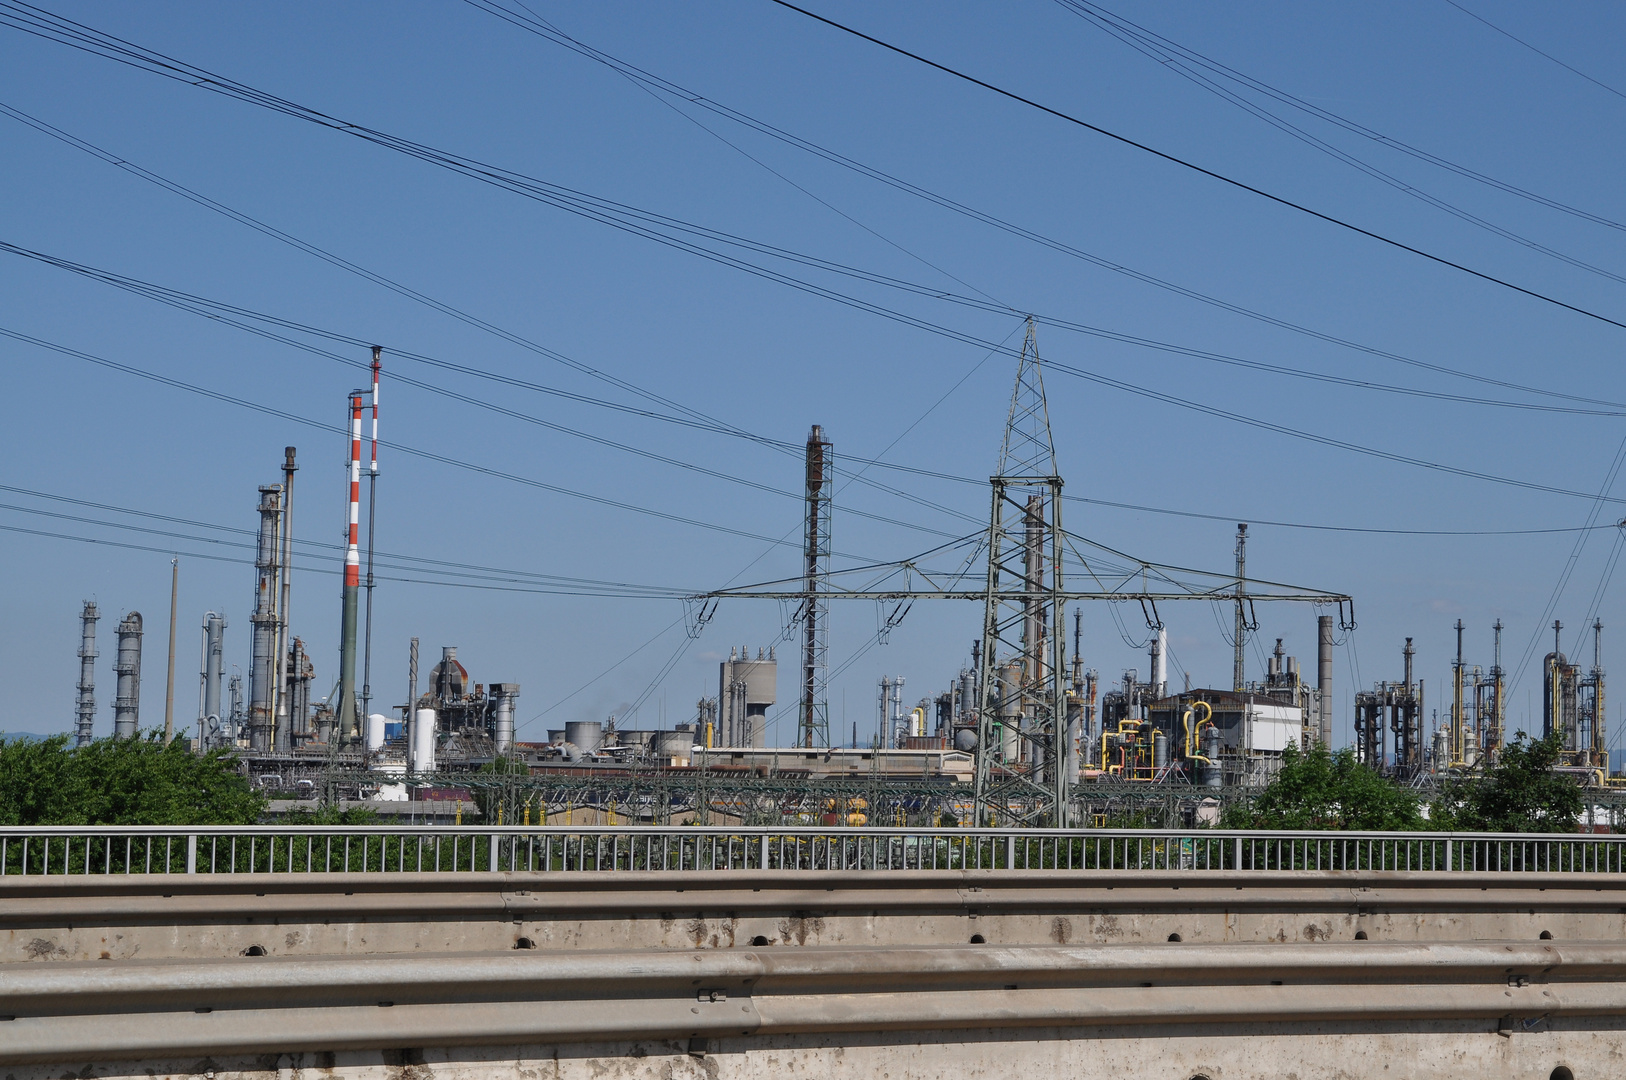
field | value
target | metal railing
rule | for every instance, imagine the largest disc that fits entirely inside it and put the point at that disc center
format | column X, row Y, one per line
column 274, row 849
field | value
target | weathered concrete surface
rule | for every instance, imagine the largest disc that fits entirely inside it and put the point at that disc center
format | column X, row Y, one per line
column 204, row 916
column 1074, row 974
column 1420, row 1051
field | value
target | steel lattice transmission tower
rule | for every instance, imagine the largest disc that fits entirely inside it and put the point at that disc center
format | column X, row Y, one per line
column 1024, row 752
column 813, row 725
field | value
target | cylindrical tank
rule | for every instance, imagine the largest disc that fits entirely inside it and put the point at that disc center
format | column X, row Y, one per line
column 127, row 705
column 965, row 739
column 587, row 735
column 1010, row 712
column 674, row 744
column 423, row 740
column 1160, row 749
column 1213, row 774
column 1470, row 747
column 503, row 735
column 1442, row 749
column 375, row 731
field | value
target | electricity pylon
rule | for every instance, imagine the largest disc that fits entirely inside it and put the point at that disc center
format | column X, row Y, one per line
column 1024, row 752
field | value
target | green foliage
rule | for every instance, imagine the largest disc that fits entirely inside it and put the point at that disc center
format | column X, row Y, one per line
column 331, row 815
column 1521, row 793
column 1320, row 789
column 136, row 781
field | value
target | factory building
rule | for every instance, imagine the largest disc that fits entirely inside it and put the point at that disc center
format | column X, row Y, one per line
column 745, row 690
column 1210, row 737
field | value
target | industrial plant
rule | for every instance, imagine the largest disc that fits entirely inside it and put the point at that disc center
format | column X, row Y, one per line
column 1020, row 731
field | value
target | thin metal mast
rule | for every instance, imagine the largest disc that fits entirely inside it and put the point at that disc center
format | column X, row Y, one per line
column 1497, row 709
column 814, row 726
column 1600, row 746
column 283, row 713
column 1458, row 720
column 372, row 510
column 1239, row 673
column 1022, row 701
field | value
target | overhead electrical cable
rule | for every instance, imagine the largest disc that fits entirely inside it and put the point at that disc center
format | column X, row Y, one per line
column 1169, row 53
column 1570, row 563
column 304, row 547
column 224, row 313
column 1221, row 177
column 1168, row 399
column 427, row 455
column 1545, row 55
column 618, row 215
column 192, row 302
column 657, row 83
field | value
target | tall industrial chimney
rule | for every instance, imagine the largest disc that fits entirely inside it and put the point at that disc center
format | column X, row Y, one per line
column 347, row 720
column 127, row 705
column 85, row 727
column 1323, row 678
column 263, row 668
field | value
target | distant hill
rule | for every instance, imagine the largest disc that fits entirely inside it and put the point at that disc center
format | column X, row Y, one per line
column 23, row 736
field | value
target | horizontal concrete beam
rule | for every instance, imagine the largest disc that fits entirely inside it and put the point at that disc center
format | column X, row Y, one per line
column 92, row 1011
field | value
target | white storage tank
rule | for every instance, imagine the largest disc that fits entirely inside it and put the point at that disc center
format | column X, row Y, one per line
column 423, row 740
column 375, row 732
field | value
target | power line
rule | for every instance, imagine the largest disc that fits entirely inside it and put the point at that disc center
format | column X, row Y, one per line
column 1532, row 48
column 1171, row 53
column 1221, row 177
column 427, row 455
column 657, row 83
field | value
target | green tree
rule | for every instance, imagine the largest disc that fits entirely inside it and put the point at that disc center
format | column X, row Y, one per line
column 138, row 781
column 1320, row 789
column 1521, row 793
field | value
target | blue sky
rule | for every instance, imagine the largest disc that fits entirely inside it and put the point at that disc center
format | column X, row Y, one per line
column 772, row 360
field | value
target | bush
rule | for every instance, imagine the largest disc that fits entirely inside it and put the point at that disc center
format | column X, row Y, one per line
column 1521, row 793
column 138, row 781
column 1322, row 789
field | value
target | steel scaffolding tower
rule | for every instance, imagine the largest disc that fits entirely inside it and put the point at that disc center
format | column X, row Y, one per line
column 813, row 727
column 1022, row 720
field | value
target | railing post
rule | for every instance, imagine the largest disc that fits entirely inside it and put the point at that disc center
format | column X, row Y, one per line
column 191, row 853
column 1238, row 844
column 1448, row 865
column 491, row 861
column 1010, row 851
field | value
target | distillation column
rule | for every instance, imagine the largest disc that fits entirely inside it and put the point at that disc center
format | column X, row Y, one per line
column 263, row 665
column 214, row 663
column 127, row 705
column 85, row 725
